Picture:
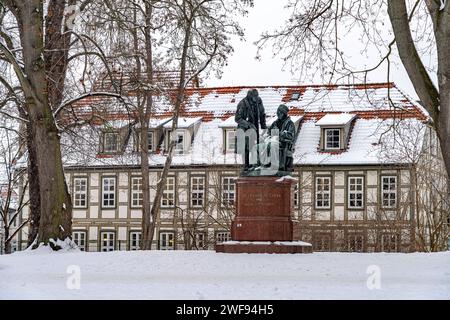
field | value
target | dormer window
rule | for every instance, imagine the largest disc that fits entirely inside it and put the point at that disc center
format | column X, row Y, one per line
column 187, row 127
column 295, row 96
column 333, row 139
column 334, row 131
column 179, row 142
column 110, row 142
column 230, row 140
column 151, row 142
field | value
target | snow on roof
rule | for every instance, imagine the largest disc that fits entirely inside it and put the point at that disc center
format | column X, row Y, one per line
column 183, row 122
column 154, row 123
column 214, row 108
column 335, row 119
column 228, row 123
column 295, row 120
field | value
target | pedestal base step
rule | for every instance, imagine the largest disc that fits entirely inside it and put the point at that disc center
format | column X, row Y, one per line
column 264, row 247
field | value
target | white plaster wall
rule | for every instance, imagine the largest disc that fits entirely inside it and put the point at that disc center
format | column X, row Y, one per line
column 94, row 194
column 94, row 180
column 136, row 214
column 123, row 195
column 372, row 195
column 339, row 178
column 123, row 212
column 108, row 214
column 372, row 178
column 93, row 212
column 339, row 196
column 355, row 215
column 339, row 213
column 123, row 179
column 79, row 214
column 93, row 233
column 122, row 234
column 323, row 215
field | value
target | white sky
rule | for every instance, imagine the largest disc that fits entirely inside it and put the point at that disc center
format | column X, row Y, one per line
column 244, row 70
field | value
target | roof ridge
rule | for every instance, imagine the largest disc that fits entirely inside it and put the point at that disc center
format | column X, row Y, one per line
column 298, row 86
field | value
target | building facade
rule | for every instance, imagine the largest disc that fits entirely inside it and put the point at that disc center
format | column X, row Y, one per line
column 356, row 190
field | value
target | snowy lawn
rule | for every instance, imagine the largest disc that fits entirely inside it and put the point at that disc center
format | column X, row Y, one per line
column 209, row 275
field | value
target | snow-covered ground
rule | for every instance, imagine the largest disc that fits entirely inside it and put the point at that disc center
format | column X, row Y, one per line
column 209, row 275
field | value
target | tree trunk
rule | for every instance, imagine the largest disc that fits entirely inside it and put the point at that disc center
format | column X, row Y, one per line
column 33, row 182
column 55, row 204
column 148, row 221
column 179, row 99
column 436, row 102
column 7, row 241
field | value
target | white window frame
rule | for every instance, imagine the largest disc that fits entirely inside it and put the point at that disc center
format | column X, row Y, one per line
column 105, row 137
column 321, row 194
column 110, row 193
column 296, row 196
column 14, row 245
column 198, row 191
column 150, row 141
column 228, row 191
column 389, row 191
column 200, row 240
column 357, row 182
column 135, row 240
column 326, row 147
column 223, row 236
column 79, row 237
column 137, row 196
column 107, row 241
column 166, row 243
column 230, row 140
column 180, row 146
column 168, row 193
column 80, row 192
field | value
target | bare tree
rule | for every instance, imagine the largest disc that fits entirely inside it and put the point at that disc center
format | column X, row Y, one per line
column 189, row 37
column 412, row 142
column 11, row 200
column 313, row 42
column 36, row 41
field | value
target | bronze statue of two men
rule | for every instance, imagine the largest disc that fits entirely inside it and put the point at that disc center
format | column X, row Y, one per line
column 264, row 152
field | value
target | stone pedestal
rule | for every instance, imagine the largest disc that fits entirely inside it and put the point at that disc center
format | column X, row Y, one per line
column 263, row 221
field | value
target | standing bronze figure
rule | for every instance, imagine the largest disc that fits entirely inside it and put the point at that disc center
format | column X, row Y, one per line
column 250, row 117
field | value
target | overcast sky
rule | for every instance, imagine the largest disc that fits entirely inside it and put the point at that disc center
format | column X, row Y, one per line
column 244, row 69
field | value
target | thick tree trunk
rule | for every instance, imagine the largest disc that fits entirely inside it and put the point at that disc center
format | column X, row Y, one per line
column 55, row 204
column 33, row 183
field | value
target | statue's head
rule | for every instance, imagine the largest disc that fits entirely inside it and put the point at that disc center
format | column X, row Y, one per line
column 252, row 95
column 282, row 111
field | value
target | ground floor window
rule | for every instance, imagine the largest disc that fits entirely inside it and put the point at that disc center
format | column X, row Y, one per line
column 389, row 242
column 322, row 242
column 200, row 240
column 79, row 237
column 355, row 243
column 107, row 241
column 135, row 240
column 166, row 240
column 222, row 237
column 14, row 246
